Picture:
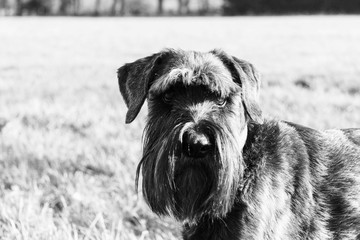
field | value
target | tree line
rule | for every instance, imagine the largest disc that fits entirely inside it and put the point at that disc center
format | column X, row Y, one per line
column 180, row 7
column 106, row 7
column 236, row 7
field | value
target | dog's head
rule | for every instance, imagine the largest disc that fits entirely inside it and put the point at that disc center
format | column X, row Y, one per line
column 199, row 106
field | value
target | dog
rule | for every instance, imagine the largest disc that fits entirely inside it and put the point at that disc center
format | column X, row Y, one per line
column 212, row 161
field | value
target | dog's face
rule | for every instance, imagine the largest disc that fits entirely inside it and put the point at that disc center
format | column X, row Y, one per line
column 199, row 105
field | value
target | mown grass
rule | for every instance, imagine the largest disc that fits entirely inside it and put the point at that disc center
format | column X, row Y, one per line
column 67, row 160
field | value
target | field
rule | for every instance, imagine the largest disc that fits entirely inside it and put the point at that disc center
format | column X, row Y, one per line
column 67, row 159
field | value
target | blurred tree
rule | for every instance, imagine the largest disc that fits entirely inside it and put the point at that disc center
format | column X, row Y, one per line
column 204, row 7
column 19, row 9
column 4, row 6
column 37, row 7
column 233, row 7
column 97, row 7
column 114, row 5
column 64, row 7
column 344, row 6
column 183, row 7
column 138, row 8
column 32, row 7
column 160, row 7
column 76, row 7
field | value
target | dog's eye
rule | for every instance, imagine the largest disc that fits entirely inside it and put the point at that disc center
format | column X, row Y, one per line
column 167, row 97
column 221, row 102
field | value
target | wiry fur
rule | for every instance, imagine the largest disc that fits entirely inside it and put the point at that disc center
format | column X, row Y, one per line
column 262, row 179
column 167, row 173
column 193, row 68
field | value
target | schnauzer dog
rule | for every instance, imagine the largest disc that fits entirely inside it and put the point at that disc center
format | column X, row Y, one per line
column 211, row 161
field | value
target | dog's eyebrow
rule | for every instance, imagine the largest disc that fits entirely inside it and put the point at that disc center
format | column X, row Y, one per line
column 217, row 81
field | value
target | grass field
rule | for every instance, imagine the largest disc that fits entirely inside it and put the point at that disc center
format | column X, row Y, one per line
column 67, row 160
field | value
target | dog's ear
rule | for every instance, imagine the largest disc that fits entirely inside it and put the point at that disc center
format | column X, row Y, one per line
column 250, row 89
column 246, row 76
column 134, row 80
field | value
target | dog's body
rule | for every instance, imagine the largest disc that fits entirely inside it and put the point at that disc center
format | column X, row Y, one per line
column 299, row 184
column 213, row 163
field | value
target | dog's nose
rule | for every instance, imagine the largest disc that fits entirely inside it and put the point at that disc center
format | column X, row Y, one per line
column 196, row 144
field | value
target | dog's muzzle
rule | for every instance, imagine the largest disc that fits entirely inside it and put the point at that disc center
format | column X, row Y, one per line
column 196, row 143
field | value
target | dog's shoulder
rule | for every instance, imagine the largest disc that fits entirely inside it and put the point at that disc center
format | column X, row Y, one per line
column 276, row 137
column 277, row 131
column 304, row 142
column 303, row 131
column 310, row 137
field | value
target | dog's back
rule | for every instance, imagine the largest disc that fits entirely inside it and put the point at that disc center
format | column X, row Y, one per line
column 335, row 165
column 343, row 182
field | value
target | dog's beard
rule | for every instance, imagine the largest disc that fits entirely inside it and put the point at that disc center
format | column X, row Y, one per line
column 189, row 188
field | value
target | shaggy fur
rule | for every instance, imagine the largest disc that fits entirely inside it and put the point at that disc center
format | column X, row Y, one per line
column 256, row 179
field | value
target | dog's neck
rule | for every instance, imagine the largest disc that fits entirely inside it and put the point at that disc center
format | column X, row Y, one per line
column 253, row 152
